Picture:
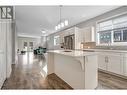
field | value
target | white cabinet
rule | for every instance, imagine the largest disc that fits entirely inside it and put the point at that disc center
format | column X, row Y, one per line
column 84, row 35
column 69, row 31
column 115, row 63
column 87, row 34
column 112, row 62
column 102, row 62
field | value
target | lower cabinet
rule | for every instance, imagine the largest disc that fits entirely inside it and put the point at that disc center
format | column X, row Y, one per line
column 115, row 63
column 112, row 62
column 102, row 62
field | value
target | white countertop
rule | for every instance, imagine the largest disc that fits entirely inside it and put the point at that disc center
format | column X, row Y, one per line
column 108, row 50
column 73, row 53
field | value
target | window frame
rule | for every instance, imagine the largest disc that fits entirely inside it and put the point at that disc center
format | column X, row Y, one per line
column 113, row 43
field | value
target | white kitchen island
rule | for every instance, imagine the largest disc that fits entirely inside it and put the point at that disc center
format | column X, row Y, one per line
column 77, row 68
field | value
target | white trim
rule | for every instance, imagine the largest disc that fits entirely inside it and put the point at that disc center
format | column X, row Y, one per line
column 29, row 36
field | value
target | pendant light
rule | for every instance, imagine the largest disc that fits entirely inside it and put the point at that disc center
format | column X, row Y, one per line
column 62, row 23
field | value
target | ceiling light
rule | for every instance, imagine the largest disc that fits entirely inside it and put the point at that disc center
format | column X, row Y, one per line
column 43, row 32
column 66, row 22
column 59, row 26
column 62, row 24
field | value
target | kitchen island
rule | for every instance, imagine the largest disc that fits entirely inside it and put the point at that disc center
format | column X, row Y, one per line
column 79, row 69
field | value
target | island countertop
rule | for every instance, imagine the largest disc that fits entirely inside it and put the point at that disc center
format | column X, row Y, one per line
column 73, row 53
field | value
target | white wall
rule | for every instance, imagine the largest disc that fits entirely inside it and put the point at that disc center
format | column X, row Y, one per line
column 43, row 41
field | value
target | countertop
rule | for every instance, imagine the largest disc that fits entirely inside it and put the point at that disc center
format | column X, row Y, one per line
column 108, row 50
column 73, row 53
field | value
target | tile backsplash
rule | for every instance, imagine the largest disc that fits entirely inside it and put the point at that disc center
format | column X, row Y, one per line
column 112, row 47
column 92, row 45
column 87, row 45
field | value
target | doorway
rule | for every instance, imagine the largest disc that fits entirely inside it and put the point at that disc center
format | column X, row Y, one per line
column 28, row 46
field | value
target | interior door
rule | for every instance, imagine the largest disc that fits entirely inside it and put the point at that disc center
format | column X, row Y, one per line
column 2, row 51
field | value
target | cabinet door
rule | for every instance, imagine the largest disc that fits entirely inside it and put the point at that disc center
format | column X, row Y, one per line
column 87, row 34
column 114, row 64
column 102, row 63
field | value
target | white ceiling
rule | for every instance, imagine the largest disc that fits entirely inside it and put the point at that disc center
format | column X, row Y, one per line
column 31, row 20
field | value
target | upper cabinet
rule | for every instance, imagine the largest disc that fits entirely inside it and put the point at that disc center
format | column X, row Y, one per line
column 86, row 34
column 83, row 35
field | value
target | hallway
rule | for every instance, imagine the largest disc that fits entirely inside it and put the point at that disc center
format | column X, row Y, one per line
column 28, row 73
column 31, row 73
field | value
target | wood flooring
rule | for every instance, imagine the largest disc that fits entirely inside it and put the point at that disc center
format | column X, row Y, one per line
column 30, row 73
column 108, row 81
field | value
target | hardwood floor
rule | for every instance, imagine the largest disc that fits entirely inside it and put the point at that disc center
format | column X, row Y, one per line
column 30, row 73
column 108, row 81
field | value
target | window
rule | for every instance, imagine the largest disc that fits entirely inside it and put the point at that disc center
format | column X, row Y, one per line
column 6, row 12
column 25, row 46
column 31, row 46
column 56, row 40
column 112, row 31
column 105, row 37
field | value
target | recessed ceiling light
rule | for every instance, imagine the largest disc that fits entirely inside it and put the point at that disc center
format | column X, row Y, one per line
column 43, row 32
